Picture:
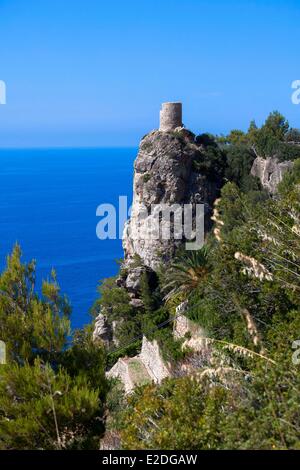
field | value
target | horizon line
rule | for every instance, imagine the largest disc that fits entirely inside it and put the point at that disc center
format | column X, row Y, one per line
column 67, row 147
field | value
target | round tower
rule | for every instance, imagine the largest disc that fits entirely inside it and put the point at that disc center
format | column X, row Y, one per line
column 170, row 116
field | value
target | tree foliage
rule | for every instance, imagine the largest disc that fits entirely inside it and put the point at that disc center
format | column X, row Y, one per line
column 249, row 304
column 51, row 392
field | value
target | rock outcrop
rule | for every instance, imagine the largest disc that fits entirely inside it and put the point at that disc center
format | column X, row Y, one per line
column 169, row 194
column 102, row 330
column 164, row 176
column 270, row 172
column 167, row 181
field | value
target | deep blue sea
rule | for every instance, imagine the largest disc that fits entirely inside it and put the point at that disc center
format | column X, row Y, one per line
column 48, row 201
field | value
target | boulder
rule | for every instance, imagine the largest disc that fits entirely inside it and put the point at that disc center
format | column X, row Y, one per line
column 270, row 172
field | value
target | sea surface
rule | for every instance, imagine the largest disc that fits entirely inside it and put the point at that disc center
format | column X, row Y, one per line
column 48, row 202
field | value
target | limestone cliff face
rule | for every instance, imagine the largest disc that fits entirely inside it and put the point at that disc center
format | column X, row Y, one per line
column 102, row 330
column 164, row 175
column 270, row 172
column 149, row 366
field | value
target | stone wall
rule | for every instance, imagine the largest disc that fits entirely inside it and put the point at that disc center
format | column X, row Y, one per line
column 149, row 366
column 170, row 116
column 120, row 371
column 183, row 326
column 141, row 369
column 151, row 358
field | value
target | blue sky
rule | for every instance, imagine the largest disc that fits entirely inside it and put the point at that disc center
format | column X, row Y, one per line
column 93, row 72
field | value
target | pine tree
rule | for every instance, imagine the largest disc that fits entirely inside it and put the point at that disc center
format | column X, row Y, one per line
column 51, row 392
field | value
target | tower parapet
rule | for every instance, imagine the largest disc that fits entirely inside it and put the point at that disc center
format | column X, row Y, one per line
column 170, row 116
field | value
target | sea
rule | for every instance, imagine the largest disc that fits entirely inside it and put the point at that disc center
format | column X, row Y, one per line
column 48, row 203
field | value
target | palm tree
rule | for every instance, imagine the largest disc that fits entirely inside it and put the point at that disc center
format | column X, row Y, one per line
column 186, row 273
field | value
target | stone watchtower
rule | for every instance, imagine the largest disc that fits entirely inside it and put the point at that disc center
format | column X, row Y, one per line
column 170, row 116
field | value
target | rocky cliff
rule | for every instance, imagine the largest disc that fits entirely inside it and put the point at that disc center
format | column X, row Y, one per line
column 270, row 172
column 164, row 175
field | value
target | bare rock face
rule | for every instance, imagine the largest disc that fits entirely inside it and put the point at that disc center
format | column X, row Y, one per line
column 133, row 280
column 102, row 330
column 164, row 174
column 270, row 172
